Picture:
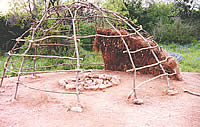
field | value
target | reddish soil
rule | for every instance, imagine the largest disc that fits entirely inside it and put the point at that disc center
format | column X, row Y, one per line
column 106, row 108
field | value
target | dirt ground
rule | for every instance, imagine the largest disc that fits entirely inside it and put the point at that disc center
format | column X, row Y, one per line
column 105, row 108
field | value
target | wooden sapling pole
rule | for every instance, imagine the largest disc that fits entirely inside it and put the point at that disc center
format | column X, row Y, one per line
column 191, row 92
column 52, row 45
column 6, row 63
column 43, row 56
column 20, row 70
column 4, row 70
column 70, row 64
column 24, row 55
column 39, row 72
column 141, row 49
column 130, row 57
column 34, row 60
column 77, row 53
column 148, row 45
column 151, row 65
column 50, row 91
column 19, row 38
column 11, row 63
column 142, row 83
column 139, row 85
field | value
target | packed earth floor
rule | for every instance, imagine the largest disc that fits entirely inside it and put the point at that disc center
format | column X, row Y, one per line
column 101, row 108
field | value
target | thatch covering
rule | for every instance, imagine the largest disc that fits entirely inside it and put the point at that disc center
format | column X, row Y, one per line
column 116, row 59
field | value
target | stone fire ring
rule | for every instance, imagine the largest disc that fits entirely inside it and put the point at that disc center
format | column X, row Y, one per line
column 90, row 81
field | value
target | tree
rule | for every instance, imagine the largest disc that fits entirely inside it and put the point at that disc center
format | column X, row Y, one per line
column 134, row 8
column 189, row 12
column 187, row 9
column 18, row 20
column 148, row 15
column 7, row 33
column 116, row 6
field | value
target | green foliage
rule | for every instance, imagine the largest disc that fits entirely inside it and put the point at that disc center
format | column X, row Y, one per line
column 190, row 55
column 116, row 6
column 87, row 29
column 149, row 16
column 89, row 59
column 68, row 1
column 178, row 32
column 17, row 21
column 189, row 62
column 154, row 13
column 134, row 8
column 187, row 9
column 160, row 19
column 7, row 33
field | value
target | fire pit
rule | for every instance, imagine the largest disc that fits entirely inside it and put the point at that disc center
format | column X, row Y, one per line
column 90, row 81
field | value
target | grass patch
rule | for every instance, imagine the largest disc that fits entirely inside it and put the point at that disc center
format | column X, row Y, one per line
column 188, row 55
column 91, row 60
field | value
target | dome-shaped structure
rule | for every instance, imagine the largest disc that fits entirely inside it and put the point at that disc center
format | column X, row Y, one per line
column 71, row 29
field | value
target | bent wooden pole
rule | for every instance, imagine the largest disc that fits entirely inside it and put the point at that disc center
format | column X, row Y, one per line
column 4, row 70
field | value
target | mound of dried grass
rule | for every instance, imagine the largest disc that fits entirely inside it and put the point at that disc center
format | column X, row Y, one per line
column 115, row 59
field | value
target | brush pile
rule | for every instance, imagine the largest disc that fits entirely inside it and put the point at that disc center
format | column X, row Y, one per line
column 90, row 81
column 116, row 58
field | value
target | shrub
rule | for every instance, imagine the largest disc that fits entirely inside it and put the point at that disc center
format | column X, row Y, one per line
column 176, row 32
